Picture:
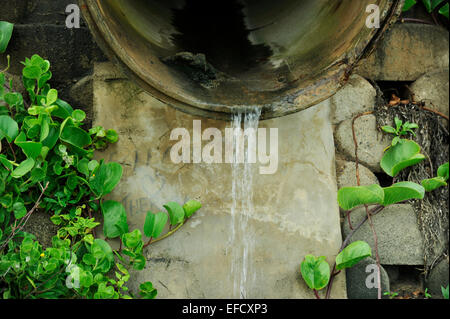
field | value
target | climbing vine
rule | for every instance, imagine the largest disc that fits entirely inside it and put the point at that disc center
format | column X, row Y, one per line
column 401, row 154
column 47, row 165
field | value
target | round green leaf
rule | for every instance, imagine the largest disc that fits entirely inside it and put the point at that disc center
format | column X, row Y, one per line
column 52, row 96
column 19, row 210
column 191, row 207
column 32, row 72
column 154, row 224
column 404, row 154
column 402, row 191
column 351, row 197
column 443, row 171
column 353, row 254
column 133, row 239
column 78, row 115
column 25, row 167
column 433, row 183
column 6, row 30
column 115, row 219
column 75, row 136
column 176, row 212
column 315, row 271
column 9, row 128
column 30, row 149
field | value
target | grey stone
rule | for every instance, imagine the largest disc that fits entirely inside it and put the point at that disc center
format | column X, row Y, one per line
column 371, row 142
column 433, row 87
column 356, row 97
column 346, row 174
column 362, row 282
column 400, row 241
column 406, row 52
column 438, row 277
column 294, row 213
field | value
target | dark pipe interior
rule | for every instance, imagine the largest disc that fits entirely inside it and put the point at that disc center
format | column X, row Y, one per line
column 199, row 21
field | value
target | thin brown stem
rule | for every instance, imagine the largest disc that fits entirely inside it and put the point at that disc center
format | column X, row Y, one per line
column 316, row 294
column 24, row 220
column 377, row 209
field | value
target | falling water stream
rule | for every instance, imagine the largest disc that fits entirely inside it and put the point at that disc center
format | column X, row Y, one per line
column 241, row 239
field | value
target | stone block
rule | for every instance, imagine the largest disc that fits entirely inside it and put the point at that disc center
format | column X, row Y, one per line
column 371, row 141
column 433, row 88
column 407, row 51
column 362, row 280
column 400, row 241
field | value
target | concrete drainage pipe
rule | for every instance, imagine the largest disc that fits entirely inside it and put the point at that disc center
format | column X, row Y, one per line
column 215, row 58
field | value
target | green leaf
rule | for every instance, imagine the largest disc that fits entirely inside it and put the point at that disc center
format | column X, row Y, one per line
column 353, row 254
column 445, row 12
column 45, row 128
column 111, row 136
column 191, row 207
column 106, row 178
column 24, row 167
column 176, row 213
column 139, row 262
column 19, row 210
column 86, row 279
column 52, row 96
column 351, row 197
column 133, row 239
column 444, row 292
column 147, row 291
column 13, row 99
column 154, row 224
column 30, row 149
column 9, row 128
column 409, row 4
column 401, row 192
column 6, row 30
column 389, row 129
column 78, row 115
column 83, row 167
column 115, row 219
column 64, row 110
column 404, row 154
column 433, row 183
column 75, row 136
column 100, row 249
column 89, row 259
column 315, row 272
column 32, row 72
column 443, row 171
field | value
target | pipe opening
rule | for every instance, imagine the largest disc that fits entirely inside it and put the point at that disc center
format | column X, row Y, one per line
column 217, row 57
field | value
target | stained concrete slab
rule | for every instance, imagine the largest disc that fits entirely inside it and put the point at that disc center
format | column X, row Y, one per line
column 295, row 210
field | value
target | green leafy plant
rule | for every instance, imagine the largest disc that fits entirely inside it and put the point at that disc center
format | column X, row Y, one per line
column 391, row 295
column 441, row 6
column 316, row 271
column 401, row 129
column 47, row 164
column 402, row 154
column 6, row 30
